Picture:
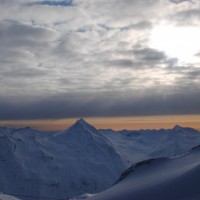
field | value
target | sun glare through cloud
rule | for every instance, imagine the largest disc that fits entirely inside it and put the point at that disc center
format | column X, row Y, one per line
column 177, row 42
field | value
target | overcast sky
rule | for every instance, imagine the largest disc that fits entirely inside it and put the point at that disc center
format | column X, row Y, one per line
column 85, row 58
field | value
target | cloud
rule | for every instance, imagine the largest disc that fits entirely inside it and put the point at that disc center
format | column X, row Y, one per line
column 141, row 25
column 150, row 55
column 92, row 58
column 142, row 58
column 107, row 104
column 187, row 15
column 180, row 1
column 22, row 44
column 18, row 31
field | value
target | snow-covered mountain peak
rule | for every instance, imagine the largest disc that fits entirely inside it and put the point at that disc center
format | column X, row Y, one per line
column 82, row 127
column 81, row 123
column 27, row 128
column 83, row 132
column 177, row 127
column 184, row 130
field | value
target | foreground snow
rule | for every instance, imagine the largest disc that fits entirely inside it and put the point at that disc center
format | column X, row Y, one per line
column 80, row 159
column 158, row 179
column 82, row 197
column 7, row 197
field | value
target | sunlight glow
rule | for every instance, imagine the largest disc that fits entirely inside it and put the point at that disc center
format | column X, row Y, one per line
column 116, row 123
column 177, row 42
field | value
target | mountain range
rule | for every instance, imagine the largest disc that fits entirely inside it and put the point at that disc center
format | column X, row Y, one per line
column 82, row 159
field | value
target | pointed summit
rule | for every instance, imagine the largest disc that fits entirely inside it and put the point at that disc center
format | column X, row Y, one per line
column 177, row 127
column 81, row 126
column 82, row 122
column 81, row 131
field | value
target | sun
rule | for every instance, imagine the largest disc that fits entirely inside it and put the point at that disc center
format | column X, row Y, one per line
column 182, row 43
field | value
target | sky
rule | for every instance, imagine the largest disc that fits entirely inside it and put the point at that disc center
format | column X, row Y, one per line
column 98, row 59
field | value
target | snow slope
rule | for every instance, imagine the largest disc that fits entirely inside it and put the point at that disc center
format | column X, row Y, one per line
column 7, row 197
column 66, row 164
column 80, row 159
column 159, row 179
column 140, row 145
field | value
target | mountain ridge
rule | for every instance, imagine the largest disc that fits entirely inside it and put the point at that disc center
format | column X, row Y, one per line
column 160, row 178
column 80, row 159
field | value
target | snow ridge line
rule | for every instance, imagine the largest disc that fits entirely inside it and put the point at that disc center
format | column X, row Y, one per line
column 35, row 197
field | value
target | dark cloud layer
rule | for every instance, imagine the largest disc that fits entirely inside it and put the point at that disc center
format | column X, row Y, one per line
column 86, row 105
